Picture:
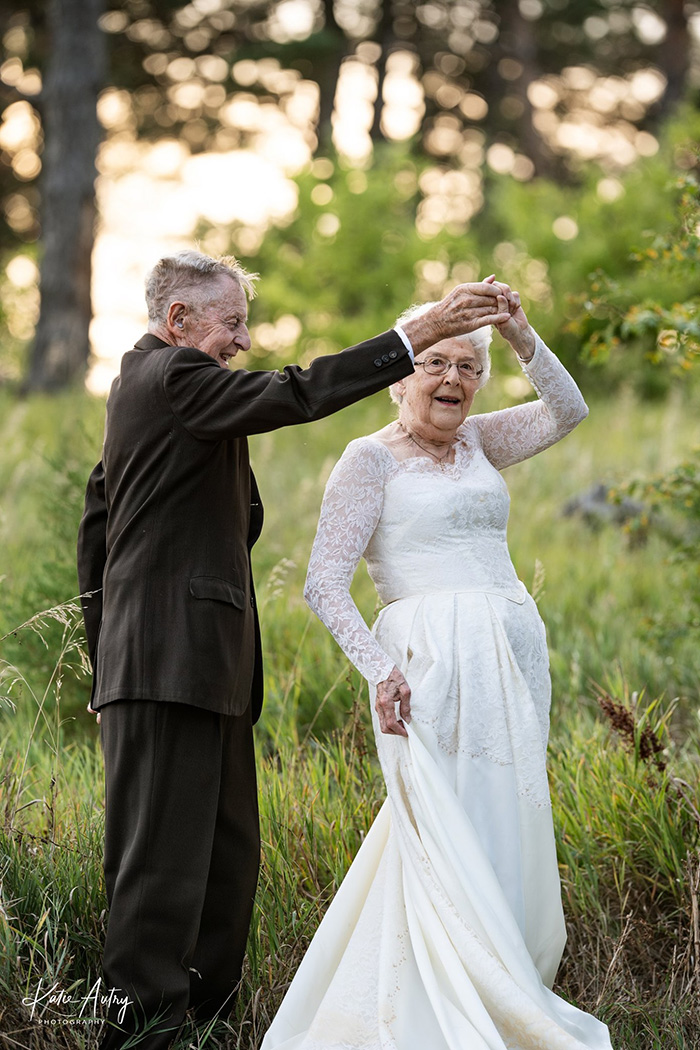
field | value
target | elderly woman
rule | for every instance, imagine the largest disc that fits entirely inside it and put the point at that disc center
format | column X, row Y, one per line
column 448, row 929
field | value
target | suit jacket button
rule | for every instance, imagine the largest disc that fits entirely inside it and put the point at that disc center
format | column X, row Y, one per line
column 393, row 354
column 385, row 359
column 252, row 601
column 378, row 362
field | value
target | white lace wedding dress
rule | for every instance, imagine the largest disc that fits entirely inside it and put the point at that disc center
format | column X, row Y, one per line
column 448, row 928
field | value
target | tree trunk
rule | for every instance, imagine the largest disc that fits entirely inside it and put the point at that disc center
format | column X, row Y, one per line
column 326, row 76
column 673, row 55
column 74, row 77
column 384, row 36
column 517, row 40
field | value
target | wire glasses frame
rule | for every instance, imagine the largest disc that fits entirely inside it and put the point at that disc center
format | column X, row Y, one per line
column 438, row 366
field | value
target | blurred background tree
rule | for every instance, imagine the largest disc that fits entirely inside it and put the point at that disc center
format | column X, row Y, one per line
column 76, row 67
column 526, row 90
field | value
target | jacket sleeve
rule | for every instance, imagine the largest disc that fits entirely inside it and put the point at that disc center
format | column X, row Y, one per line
column 214, row 404
column 92, row 556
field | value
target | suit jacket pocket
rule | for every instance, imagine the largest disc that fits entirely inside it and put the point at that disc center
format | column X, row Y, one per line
column 217, row 590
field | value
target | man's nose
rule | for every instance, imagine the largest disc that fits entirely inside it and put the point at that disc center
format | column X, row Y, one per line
column 243, row 341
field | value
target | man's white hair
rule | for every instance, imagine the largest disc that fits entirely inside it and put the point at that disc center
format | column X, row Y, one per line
column 479, row 341
column 175, row 275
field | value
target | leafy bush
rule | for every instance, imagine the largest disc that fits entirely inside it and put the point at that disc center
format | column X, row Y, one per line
column 664, row 330
column 653, row 314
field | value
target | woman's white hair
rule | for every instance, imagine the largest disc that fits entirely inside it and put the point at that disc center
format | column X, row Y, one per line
column 174, row 275
column 478, row 341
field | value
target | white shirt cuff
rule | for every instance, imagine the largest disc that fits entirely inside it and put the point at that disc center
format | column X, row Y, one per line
column 405, row 340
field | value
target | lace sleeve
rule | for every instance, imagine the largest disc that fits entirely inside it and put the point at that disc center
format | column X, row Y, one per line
column 352, row 506
column 514, row 434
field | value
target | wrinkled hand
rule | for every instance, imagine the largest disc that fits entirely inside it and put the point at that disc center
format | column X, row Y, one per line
column 393, row 690
column 516, row 329
column 463, row 310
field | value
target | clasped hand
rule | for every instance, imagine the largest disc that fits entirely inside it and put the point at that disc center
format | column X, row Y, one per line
column 392, row 691
column 471, row 306
column 515, row 329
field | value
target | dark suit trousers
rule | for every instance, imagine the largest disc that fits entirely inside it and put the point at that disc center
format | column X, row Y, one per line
column 182, row 850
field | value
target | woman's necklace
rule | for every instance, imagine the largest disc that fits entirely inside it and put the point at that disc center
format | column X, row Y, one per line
column 440, row 460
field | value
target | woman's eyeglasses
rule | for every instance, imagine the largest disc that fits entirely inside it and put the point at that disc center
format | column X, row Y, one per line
column 438, row 366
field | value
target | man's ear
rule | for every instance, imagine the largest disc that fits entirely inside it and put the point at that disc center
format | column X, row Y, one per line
column 175, row 321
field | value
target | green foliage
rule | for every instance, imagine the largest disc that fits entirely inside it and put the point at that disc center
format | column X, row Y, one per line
column 52, row 920
column 661, row 331
column 618, row 220
column 654, row 315
column 49, row 446
column 628, row 827
column 673, row 500
column 17, row 308
column 346, row 285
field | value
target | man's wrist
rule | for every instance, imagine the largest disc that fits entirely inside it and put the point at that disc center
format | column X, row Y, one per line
column 423, row 331
column 405, row 340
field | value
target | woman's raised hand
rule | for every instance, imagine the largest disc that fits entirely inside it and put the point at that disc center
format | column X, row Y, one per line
column 516, row 328
column 392, row 691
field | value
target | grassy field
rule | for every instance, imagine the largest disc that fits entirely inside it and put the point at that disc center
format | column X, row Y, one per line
column 626, row 814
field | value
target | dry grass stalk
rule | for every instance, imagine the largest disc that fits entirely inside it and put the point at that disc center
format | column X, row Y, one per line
column 637, row 739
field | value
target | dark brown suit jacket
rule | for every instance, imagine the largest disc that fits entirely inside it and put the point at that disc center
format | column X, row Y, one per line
column 172, row 511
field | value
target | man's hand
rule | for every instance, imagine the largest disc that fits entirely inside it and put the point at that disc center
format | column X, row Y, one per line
column 393, row 690
column 463, row 310
column 91, row 711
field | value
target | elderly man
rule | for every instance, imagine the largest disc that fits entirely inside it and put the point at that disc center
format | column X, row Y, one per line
column 171, row 514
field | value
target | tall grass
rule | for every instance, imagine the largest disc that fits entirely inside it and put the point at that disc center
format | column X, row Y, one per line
column 628, row 830
column 52, row 906
column 628, row 827
column 626, row 819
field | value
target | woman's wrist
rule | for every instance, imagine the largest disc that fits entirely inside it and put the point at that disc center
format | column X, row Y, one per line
column 524, row 345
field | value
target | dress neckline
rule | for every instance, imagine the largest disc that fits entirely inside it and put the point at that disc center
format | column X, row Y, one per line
column 428, row 464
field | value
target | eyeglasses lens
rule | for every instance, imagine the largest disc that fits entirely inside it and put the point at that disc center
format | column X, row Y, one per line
column 438, row 367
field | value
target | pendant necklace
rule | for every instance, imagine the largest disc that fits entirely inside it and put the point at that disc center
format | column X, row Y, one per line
column 440, row 460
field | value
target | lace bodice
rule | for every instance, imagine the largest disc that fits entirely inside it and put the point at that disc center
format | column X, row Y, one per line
column 425, row 527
